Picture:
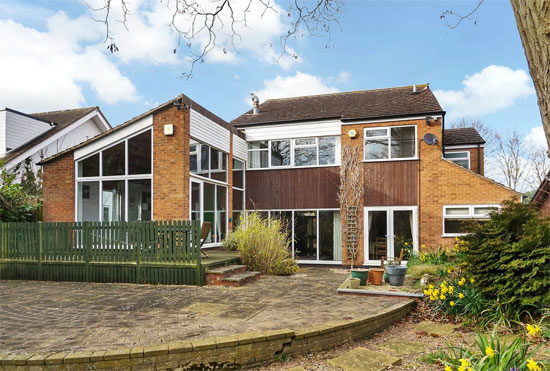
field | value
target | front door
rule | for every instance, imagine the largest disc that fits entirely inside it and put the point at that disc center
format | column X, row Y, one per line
column 388, row 230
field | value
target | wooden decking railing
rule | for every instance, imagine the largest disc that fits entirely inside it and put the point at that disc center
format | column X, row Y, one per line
column 166, row 252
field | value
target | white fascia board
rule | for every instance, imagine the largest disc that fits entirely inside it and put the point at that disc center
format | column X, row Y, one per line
column 116, row 136
column 373, row 121
column 289, row 130
column 466, row 146
column 51, row 139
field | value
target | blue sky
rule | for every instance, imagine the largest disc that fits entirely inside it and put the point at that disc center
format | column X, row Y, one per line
column 54, row 58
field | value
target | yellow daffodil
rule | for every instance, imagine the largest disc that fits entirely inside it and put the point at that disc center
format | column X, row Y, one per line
column 412, row 243
column 489, row 352
column 451, row 289
column 461, row 368
column 532, row 365
column 461, row 295
column 456, row 238
column 452, row 303
column 462, row 281
column 423, row 246
column 432, row 298
column 448, row 368
column 431, row 286
column 442, row 297
column 472, row 280
column 464, row 362
column 449, row 270
column 406, row 244
column 534, row 330
column 426, row 292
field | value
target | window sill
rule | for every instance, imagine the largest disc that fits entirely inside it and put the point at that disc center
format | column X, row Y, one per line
column 452, row 235
column 290, row 167
column 393, row 159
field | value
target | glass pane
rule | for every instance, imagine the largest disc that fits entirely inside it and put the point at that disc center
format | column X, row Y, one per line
column 463, row 163
column 139, row 154
column 221, row 213
column 376, row 132
column 327, row 150
column 455, row 225
column 305, row 235
column 305, row 156
column 113, row 160
column 218, row 168
column 286, row 219
column 457, row 211
column 258, row 145
column 456, row 154
column 257, row 159
column 403, row 232
column 376, row 149
column 484, row 211
column 205, row 160
column 305, row 141
column 238, row 200
column 280, row 153
column 378, row 231
column 193, row 156
column 403, row 142
column 195, row 201
column 209, row 209
column 238, row 174
column 89, row 166
column 88, row 202
column 329, row 235
column 113, row 201
column 139, row 200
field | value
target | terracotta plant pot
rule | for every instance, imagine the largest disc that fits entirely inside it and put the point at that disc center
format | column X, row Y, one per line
column 354, row 283
column 375, row 276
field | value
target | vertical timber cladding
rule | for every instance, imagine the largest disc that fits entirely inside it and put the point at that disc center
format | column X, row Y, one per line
column 171, row 164
column 298, row 188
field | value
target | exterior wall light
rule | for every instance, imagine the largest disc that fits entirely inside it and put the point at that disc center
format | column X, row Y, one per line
column 168, row 129
column 352, row 133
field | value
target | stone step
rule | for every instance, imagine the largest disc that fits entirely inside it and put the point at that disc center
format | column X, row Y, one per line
column 240, row 279
column 214, row 276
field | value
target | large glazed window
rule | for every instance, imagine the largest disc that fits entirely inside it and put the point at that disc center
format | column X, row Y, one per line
column 280, row 153
column 456, row 218
column 397, row 142
column 209, row 205
column 305, row 235
column 207, row 161
column 258, row 153
column 238, row 192
column 115, row 183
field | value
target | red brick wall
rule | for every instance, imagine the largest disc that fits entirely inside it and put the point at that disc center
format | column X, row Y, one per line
column 475, row 165
column 59, row 189
column 171, row 165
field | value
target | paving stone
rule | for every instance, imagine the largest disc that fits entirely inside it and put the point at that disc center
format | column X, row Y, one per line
column 206, row 308
column 436, row 329
column 297, row 368
column 402, row 347
column 363, row 359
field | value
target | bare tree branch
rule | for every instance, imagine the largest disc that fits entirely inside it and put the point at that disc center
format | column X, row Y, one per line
column 459, row 18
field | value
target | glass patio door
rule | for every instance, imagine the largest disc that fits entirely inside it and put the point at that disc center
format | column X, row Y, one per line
column 208, row 203
column 388, row 230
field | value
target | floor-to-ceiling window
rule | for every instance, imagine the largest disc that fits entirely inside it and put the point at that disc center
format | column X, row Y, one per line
column 115, row 183
column 238, row 191
column 208, row 189
column 315, row 234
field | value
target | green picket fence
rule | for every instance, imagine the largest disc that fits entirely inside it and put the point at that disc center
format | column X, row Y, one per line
column 160, row 252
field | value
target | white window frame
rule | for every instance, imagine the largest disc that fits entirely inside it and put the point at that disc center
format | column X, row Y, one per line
column 238, row 189
column 198, row 153
column 390, row 230
column 125, row 177
column 293, row 147
column 317, row 261
column 455, row 159
column 268, row 150
column 471, row 215
column 388, row 137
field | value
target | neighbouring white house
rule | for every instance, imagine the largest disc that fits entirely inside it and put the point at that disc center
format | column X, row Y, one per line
column 37, row 136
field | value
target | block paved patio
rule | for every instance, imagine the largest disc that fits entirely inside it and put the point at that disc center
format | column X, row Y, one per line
column 68, row 316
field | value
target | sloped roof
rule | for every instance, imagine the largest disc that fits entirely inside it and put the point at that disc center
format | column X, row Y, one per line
column 59, row 119
column 365, row 104
column 462, row 136
column 542, row 193
column 182, row 98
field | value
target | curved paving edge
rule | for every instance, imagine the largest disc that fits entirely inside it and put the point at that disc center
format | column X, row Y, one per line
column 220, row 352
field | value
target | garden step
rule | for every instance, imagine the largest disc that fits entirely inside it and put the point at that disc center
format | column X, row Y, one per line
column 240, row 279
column 214, row 276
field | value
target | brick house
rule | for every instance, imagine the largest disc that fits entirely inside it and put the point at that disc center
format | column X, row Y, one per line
column 180, row 161
column 541, row 198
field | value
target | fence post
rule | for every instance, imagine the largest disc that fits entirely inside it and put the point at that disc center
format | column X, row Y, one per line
column 138, row 227
column 195, row 230
column 40, row 248
column 87, row 247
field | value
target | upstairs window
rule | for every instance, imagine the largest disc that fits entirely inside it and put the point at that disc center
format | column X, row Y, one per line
column 390, row 143
column 297, row 152
column 207, row 161
column 460, row 158
column 455, row 218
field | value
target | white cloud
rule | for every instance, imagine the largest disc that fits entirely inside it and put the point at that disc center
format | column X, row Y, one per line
column 493, row 89
column 536, row 138
column 293, row 86
column 48, row 70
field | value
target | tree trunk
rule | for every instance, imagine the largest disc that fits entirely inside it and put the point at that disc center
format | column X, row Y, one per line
column 533, row 22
